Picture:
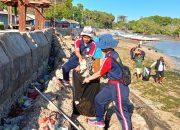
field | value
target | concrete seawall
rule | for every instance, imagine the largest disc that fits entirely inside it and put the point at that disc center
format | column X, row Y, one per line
column 23, row 58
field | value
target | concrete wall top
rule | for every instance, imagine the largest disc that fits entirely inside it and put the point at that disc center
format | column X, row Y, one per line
column 36, row 51
column 29, row 40
column 3, row 57
column 48, row 33
column 68, row 31
column 20, row 63
column 39, row 38
column 4, row 69
column 15, row 44
column 23, row 57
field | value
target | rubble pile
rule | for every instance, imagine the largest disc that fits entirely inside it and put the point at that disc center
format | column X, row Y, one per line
column 44, row 114
column 31, row 111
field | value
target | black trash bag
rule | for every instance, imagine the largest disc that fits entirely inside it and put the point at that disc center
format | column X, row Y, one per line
column 84, row 94
column 146, row 74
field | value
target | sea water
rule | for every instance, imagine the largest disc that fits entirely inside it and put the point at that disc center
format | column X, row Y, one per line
column 170, row 48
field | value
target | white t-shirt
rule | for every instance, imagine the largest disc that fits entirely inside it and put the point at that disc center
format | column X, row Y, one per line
column 161, row 67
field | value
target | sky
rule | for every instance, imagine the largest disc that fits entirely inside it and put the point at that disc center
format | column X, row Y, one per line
column 134, row 9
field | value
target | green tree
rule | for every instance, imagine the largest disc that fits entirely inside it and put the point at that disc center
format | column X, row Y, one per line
column 2, row 6
column 177, row 32
column 60, row 10
column 77, row 13
column 163, row 21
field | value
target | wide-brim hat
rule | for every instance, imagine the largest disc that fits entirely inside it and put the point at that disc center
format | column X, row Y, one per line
column 107, row 41
column 87, row 31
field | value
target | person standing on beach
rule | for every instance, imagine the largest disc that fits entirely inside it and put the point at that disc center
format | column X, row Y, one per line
column 139, row 62
column 114, row 90
column 132, row 54
column 83, row 46
column 160, row 67
column 139, row 51
column 135, row 51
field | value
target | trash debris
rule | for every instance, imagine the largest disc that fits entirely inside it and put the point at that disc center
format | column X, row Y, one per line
column 60, row 111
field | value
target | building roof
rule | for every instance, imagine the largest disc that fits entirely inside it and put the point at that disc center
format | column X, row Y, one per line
column 68, row 21
column 72, row 21
column 28, row 16
column 5, row 12
column 38, row 3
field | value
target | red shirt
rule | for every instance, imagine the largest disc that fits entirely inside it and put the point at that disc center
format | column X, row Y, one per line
column 106, row 66
column 111, row 67
column 77, row 44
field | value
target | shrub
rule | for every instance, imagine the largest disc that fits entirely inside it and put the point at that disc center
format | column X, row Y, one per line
column 1, row 25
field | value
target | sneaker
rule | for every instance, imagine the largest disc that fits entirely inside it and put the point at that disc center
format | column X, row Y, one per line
column 65, row 83
column 96, row 123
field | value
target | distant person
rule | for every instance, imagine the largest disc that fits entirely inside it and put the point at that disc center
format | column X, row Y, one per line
column 114, row 90
column 98, row 54
column 160, row 67
column 140, row 42
column 138, row 63
column 132, row 53
column 83, row 46
column 138, row 51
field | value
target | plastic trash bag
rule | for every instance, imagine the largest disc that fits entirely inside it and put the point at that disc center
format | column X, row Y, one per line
column 146, row 74
column 84, row 94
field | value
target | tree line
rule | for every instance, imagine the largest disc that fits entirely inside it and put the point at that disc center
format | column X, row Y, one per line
column 65, row 9
column 146, row 25
column 152, row 25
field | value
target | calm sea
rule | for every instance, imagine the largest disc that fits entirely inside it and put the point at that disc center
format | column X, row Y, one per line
column 171, row 48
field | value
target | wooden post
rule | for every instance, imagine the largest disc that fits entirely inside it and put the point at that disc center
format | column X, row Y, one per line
column 22, row 15
column 42, row 19
column 39, row 19
column 9, row 15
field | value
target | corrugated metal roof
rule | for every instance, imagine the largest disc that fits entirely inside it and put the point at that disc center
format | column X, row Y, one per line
column 72, row 21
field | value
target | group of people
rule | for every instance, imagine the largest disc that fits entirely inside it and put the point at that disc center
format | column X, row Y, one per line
column 93, row 46
column 138, row 55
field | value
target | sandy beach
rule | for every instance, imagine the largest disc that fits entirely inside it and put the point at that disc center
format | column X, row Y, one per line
column 164, row 99
column 150, row 53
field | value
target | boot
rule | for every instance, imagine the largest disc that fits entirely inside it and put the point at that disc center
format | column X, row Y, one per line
column 160, row 80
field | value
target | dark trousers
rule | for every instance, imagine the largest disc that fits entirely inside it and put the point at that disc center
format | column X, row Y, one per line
column 118, row 93
column 70, row 64
column 159, row 74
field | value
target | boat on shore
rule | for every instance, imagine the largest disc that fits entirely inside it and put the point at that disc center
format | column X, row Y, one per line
column 135, row 37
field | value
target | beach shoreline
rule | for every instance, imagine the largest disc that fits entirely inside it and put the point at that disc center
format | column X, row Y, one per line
column 153, row 94
column 151, row 53
column 163, row 98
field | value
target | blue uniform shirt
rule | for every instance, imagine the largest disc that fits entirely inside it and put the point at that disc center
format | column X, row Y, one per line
column 110, row 67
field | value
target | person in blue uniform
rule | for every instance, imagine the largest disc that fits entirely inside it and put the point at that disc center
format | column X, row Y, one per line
column 114, row 90
column 83, row 46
